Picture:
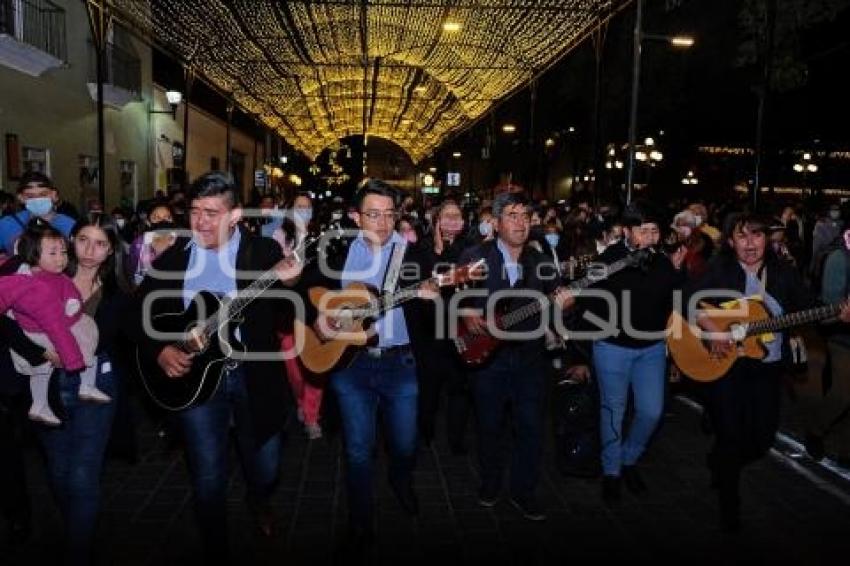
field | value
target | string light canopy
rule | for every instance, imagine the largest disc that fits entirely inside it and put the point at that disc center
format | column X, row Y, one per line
column 411, row 71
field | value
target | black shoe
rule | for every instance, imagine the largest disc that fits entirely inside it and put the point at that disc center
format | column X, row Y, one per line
column 407, row 498
column 488, row 495
column 730, row 512
column 611, row 490
column 458, row 450
column 19, row 531
column 358, row 547
column 814, row 446
column 529, row 507
column 631, row 477
column 265, row 520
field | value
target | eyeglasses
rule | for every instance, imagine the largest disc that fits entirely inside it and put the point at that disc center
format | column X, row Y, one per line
column 517, row 217
column 374, row 215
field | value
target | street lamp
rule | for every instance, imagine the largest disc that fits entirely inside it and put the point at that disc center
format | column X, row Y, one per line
column 690, row 179
column 676, row 41
column 174, row 98
column 805, row 166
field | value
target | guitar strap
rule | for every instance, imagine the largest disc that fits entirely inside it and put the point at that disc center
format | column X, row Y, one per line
column 393, row 271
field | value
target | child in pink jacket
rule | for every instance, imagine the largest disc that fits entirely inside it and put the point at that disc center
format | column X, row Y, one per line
column 48, row 307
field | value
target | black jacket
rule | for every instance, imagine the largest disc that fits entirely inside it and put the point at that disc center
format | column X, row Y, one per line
column 783, row 283
column 538, row 273
column 269, row 397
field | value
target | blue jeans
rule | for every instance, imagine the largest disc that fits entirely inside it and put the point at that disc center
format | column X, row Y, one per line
column 511, row 378
column 369, row 383
column 205, row 431
column 75, row 457
column 618, row 368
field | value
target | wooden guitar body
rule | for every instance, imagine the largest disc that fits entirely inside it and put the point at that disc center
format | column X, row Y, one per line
column 689, row 348
column 320, row 356
column 475, row 349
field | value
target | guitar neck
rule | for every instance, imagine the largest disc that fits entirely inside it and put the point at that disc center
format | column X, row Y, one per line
column 250, row 293
column 389, row 302
column 532, row 309
column 777, row 323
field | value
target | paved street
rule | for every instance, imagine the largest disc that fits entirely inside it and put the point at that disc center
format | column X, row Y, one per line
column 147, row 516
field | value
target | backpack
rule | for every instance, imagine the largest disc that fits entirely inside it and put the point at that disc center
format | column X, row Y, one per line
column 576, row 423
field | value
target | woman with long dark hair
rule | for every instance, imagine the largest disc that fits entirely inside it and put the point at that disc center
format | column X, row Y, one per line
column 75, row 452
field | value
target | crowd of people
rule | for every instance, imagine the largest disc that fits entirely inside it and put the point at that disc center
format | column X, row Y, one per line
column 77, row 290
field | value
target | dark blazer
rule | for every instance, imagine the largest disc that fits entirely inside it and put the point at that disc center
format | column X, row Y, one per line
column 269, row 396
column 538, row 273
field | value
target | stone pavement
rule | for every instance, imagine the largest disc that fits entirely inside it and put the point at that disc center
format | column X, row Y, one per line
column 147, row 512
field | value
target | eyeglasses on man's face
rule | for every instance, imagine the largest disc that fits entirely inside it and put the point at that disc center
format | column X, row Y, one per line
column 375, row 215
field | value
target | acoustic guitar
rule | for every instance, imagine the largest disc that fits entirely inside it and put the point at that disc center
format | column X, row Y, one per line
column 748, row 323
column 209, row 322
column 476, row 349
column 355, row 308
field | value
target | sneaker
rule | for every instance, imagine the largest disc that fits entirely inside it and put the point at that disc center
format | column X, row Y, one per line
column 44, row 415
column 93, row 395
column 314, row 431
column 488, row 496
column 529, row 507
column 631, row 478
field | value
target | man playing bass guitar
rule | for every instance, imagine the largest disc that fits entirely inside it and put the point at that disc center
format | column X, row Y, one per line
column 517, row 371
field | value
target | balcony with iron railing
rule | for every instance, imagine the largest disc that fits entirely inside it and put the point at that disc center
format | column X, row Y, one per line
column 122, row 75
column 32, row 35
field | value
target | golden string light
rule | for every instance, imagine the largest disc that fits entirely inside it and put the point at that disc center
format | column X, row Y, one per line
column 412, row 72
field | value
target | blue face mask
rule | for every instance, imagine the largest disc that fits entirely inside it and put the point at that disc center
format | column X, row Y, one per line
column 302, row 215
column 553, row 239
column 39, row 206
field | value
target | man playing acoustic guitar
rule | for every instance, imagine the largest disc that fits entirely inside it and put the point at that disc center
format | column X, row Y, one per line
column 221, row 258
column 383, row 374
column 744, row 404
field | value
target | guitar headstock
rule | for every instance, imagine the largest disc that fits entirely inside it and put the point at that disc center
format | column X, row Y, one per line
column 459, row 276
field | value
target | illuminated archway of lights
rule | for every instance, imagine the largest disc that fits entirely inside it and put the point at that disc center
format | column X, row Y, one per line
column 411, row 71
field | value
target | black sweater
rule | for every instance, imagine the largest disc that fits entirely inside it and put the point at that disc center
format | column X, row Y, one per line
column 643, row 295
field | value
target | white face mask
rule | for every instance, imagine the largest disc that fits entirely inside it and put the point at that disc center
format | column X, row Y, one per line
column 835, row 214
column 120, row 223
column 485, row 228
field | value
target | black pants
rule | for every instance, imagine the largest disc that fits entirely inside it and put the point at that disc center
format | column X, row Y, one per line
column 439, row 366
column 14, row 495
column 744, row 409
